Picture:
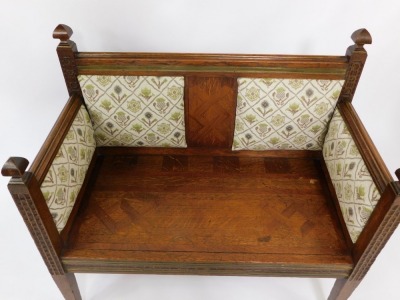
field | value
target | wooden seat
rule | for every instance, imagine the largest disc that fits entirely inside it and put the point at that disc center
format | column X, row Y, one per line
column 209, row 214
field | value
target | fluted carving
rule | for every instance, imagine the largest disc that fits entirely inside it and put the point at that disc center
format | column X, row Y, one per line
column 66, row 54
column 357, row 57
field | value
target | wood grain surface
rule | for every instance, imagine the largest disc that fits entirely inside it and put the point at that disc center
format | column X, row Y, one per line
column 186, row 211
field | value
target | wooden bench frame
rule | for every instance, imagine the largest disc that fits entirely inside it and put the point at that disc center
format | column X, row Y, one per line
column 213, row 69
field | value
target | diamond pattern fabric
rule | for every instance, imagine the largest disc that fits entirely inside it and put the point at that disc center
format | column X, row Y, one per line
column 355, row 189
column 65, row 177
column 138, row 111
column 283, row 113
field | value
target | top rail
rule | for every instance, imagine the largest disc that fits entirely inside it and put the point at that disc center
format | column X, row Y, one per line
column 324, row 67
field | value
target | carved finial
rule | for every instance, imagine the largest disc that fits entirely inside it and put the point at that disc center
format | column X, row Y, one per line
column 15, row 167
column 62, row 32
column 397, row 172
column 361, row 37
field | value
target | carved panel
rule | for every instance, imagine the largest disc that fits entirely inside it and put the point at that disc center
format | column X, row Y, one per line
column 69, row 68
column 344, row 287
column 352, row 78
column 36, row 228
column 386, row 229
column 210, row 109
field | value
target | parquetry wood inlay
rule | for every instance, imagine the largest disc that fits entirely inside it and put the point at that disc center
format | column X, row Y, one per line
column 211, row 111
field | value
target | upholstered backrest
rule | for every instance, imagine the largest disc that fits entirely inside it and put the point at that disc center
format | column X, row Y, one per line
column 277, row 113
column 355, row 189
column 139, row 111
column 267, row 113
column 65, row 177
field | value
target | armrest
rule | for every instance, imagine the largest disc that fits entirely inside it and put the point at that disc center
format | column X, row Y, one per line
column 66, row 164
column 386, row 215
column 355, row 188
column 60, row 167
column 50, row 147
column 379, row 172
column 24, row 186
column 382, row 213
column 29, row 200
column 37, row 193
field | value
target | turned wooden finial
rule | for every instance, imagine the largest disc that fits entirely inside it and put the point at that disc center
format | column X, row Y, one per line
column 361, row 37
column 15, row 167
column 62, row 32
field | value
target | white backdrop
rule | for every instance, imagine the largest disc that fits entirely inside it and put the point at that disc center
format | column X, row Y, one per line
column 33, row 93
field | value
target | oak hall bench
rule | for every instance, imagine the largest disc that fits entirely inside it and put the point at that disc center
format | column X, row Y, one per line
column 209, row 164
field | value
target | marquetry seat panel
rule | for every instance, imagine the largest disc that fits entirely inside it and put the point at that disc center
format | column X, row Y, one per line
column 208, row 210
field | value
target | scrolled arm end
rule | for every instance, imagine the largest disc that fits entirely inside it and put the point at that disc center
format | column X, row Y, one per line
column 15, row 167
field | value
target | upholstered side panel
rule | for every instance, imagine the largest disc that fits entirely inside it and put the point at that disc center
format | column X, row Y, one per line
column 138, row 111
column 355, row 189
column 283, row 113
column 65, row 177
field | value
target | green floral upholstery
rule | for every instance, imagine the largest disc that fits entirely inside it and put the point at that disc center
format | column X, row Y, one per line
column 283, row 113
column 136, row 111
column 355, row 189
column 67, row 172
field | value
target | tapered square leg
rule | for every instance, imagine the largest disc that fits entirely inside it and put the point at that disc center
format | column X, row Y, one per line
column 343, row 288
column 68, row 286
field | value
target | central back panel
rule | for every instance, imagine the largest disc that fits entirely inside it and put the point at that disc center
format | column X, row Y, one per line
column 210, row 111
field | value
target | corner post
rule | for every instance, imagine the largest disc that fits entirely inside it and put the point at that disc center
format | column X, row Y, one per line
column 370, row 244
column 357, row 57
column 29, row 200
column 66, row 53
